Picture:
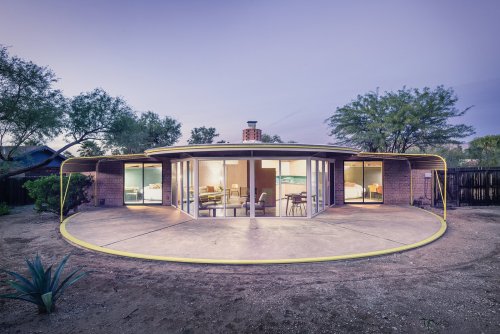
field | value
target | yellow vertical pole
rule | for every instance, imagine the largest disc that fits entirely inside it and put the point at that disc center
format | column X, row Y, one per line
column 411, row 186
column 61, row 191
column 445, row 200
column 95, row 182
column 66, row 192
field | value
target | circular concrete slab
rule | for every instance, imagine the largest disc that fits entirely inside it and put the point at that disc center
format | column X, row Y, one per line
column 164, row 233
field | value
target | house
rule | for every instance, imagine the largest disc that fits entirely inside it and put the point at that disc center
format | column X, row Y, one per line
column 30, row 155
column 255, row 179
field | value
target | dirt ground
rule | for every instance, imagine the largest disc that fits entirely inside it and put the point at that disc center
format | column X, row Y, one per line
column 449, row 286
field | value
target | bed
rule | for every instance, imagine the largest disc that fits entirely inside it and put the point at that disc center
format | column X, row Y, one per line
column 353, row 190
column 153, row 192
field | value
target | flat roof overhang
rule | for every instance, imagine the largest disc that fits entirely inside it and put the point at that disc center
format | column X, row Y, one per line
column 417, row 161
column 250, row 150
column 88, row 164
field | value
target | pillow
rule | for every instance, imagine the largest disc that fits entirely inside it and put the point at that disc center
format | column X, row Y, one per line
column 210, row 189
column 155, row 186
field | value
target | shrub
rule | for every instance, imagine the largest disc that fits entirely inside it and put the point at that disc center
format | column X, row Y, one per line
column 4, row 209
column 46, row 192
column 42, row 290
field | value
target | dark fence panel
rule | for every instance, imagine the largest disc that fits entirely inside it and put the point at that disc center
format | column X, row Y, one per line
column 471, row 186
column 13, row 193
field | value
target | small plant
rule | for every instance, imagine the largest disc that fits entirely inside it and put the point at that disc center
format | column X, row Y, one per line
column 4, row 209
column 42, row 290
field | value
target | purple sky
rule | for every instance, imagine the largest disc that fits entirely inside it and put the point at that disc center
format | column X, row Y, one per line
column 286, row 64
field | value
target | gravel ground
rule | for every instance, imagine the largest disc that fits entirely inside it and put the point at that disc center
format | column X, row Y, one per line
column 449, row 286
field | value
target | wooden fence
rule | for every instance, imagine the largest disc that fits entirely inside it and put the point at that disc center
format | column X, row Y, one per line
column 13, row 193
column 470, row 186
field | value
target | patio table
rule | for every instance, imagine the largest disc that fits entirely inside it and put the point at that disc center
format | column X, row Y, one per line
column 214, row 208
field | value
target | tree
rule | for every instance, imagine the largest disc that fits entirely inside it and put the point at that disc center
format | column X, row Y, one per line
column 398, row 121
column 90, row 148
column 31, row 110
column 132, row 134
column 202, row 135
column 486, row 150
column 271, row 139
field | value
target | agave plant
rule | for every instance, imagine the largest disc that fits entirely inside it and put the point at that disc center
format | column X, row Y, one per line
column 43, row 289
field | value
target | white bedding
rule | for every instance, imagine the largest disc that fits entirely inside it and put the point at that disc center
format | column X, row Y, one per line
column 354, row 191
column 152, row 194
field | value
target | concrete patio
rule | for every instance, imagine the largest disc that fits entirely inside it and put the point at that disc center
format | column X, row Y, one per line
column 164, row 233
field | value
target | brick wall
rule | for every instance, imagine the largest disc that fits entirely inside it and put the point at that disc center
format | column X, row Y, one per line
column 396, row 182
column 110, row 182
column 422, row 188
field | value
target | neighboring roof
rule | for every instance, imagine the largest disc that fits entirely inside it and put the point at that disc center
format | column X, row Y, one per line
column 417, row 161
column 247, row 147
column 31, row 155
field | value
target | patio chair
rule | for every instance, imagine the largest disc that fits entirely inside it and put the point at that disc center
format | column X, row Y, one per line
column 297, row 203
column 260, row 205
column 235, row 189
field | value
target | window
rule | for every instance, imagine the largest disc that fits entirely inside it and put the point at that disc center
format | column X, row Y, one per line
column 363, row 182
column 142, row 183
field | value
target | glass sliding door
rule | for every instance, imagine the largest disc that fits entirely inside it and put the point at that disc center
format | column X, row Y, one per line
column 363, row 182
column 142, row 183
column 211, row 194
column 267, row 192
column 321, row 173
column 294, row 187
column 314, row 185
column 133, row 192
column 373, row 182
column 353, row 182
column 174, row 183
column 152, row 183
column 237, row 190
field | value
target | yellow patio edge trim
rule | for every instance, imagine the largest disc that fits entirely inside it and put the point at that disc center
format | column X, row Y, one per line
column 87, row 245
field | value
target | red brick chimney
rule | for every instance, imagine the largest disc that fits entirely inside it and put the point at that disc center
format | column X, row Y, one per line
column 252, row 134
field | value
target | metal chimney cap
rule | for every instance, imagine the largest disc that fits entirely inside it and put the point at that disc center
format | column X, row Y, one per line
column 252, row 124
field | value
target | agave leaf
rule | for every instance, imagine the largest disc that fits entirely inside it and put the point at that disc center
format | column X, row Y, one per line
column 20, row 287
column 19, row 277
column 67, row 282
column 47, row 301
column 58, row 272
column 47, row 279
column 21, row 297
column 35, row 275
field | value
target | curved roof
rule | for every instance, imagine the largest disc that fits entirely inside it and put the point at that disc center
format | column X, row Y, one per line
column 254, row 147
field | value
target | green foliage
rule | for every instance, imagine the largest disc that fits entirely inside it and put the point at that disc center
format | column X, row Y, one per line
column 41, row 289
column 90, row 148
column 4, row 209
column 271, row 139
column 46, row 192
column 31, row 110
column 398, row 121
column 486, row 150
column 202, row 135
column 132, row 134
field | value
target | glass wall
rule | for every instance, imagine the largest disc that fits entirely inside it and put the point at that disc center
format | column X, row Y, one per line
column 363, row 182
column 237, row 191
column 267, row 192
column 174, row 183
column 294, row 187
column 373, row 181
column 142, row 183
column 224, row 187
column 133, row 184
column 314, row 185
column 211, row 195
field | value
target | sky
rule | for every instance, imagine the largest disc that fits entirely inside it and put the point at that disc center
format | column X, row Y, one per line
column 286, row 64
